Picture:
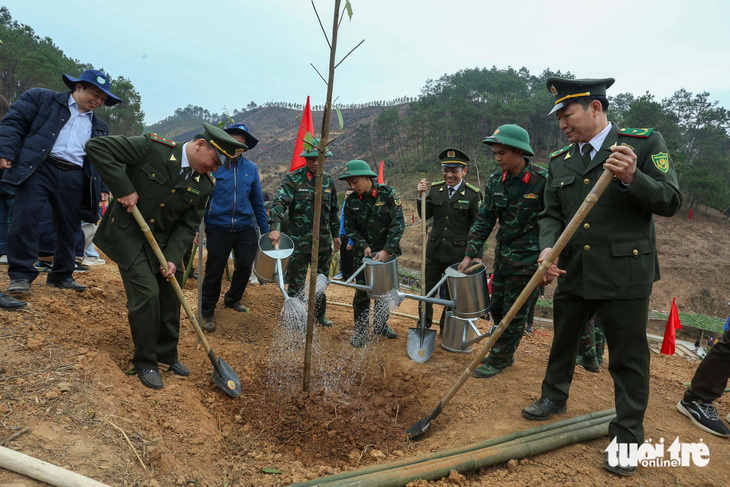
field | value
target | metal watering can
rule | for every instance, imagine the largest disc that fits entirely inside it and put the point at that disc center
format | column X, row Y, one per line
column 271, row 263
column 380, row 277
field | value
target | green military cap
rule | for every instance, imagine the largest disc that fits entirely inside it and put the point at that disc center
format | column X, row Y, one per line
column 357, row 168
column 227, row 147
column 566, row 90
column 310, row 149
column 453, row 158
column 512, row 136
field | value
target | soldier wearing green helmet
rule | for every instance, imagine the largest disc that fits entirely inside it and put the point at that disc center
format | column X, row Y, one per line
column 374, row 222
column 513, row 196
column 296, row 196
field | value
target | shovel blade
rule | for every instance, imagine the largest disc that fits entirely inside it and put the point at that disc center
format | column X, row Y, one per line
column 226, row 378
column 420, row 344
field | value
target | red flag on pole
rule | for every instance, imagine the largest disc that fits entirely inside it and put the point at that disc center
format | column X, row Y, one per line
column 380, row 174
column 670, row 336
column 305, row 126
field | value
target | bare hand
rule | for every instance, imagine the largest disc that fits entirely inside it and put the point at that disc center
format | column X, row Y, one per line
column 422, row 186
column 553, row 271
column 349, row 246
column 275, row 237
column 382, row 256
column 129, row 201
column 337, row 243
column 196, row 240
column 466, row 263
column 5, row 163
column 622, row 162
column 367, row 252
column 170, row 271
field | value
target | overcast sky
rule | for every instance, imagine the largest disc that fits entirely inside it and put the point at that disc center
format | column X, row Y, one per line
column 226, row 53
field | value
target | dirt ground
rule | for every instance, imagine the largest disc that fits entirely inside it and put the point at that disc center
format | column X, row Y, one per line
column 62, row 376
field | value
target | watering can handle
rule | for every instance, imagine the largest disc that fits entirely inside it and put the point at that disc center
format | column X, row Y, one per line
column 471, row 269
column 276, row 247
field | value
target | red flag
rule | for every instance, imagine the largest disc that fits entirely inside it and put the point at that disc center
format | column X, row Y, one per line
column 380, row 174
column 690, row 215
column 305, row 126
column 670, row 336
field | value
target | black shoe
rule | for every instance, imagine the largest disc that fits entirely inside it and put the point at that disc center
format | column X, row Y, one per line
column 179, row 368
column 236, row 306
column 387, row 332
column 543, row 408
column 18, row 286
column 208, row 323
column 704, row 416
column 150, row 378
column 618, row 469
column 66, row 284
column 6, row 302
column 193, row 275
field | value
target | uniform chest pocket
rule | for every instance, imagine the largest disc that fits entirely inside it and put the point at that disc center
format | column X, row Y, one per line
column 303, row 200
column 613, row 195
column 191, row 196
column 151, row 181
column 500, row 201
column 461, row 205
column 567, row 192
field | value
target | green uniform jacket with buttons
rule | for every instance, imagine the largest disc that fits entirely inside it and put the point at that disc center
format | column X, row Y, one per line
column 613, row 253
column 172, row 205
column 514, row 201
column 452, row 218
column 296, row 195
column 375, row 220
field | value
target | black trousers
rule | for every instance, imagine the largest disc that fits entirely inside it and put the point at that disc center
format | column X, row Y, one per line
column 711, row 376
column 64, row 190
column 624, row 323
column 220, row 243
column 346, row 265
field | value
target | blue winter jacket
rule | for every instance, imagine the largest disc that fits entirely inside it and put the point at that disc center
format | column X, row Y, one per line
column 29, row 130
column 237, row 202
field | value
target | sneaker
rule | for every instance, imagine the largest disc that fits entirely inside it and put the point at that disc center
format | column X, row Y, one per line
column 3, row 259
column 704, row 416
column 92, row 261
column 338, row 276
column 42, row 266
column 81, row 268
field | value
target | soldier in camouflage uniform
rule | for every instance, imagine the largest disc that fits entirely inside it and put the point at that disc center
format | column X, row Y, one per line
column 591, row 346
column 453, row 205
column 512, row 195
column 374, row 222
column 296, row 195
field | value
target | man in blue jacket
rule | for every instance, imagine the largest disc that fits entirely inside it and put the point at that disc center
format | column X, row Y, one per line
column 42, row 141
column 235, row 209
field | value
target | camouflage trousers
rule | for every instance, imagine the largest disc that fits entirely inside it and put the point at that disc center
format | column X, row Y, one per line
column 592, row 342
column 505, row 290
column 361, row 306
column 297, row 274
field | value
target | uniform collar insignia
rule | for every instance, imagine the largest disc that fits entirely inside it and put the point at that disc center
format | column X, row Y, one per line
column 197, row 178
column 172, row 157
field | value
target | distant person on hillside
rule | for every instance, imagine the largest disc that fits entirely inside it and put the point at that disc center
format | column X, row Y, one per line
column 453, row 205
column 235, row 210
column 42, row 142
column 708, row 385
column 611, row 261
column 513, row 196
column 374, row 222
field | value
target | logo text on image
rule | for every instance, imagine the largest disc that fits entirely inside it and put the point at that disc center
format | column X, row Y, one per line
column 654, row 455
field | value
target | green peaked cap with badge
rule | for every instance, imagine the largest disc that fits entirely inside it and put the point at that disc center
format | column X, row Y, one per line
column 452, row 157
column 513, row 136
column 311, row 148
column 357, row 168
column 567, row 90
column 227, row 147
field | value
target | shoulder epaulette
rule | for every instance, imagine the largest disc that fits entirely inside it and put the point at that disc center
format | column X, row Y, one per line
column 437, row 183
column 560, row 151
column 631, row 132
column 472, row 187
column 162, row 140
column 211, row 178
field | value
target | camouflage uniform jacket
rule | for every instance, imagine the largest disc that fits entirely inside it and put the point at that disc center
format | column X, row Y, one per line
column 296, row 195
column 375, row 220
column 515, row 201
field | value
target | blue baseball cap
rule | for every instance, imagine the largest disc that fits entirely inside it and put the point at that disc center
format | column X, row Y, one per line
column 240, row 128
column 96, row 78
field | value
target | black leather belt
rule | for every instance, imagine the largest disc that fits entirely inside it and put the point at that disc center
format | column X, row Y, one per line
column 66, row 166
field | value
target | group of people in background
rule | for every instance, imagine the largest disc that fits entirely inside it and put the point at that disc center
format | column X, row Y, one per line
column 55, row 152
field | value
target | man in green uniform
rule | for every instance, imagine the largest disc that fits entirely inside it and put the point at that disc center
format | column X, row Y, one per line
column 374, row 222
column 453, row 205
column 296, row 195
column 513, row 196
column 611, row 262
column 170, row 184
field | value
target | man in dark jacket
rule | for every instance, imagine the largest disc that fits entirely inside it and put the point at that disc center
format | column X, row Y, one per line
column 42, row 142
column 235, row 208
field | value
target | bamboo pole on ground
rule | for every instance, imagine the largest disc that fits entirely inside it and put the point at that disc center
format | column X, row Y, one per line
column 43, row 471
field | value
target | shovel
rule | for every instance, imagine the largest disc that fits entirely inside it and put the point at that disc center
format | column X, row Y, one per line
column 420, row 340
column 422, row 424
column 223, row 375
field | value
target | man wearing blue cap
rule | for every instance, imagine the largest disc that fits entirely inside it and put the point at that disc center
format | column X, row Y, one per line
column 42, row 141
column 235, row 209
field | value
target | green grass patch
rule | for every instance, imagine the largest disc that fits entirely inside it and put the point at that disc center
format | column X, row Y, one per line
column 703, row 322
